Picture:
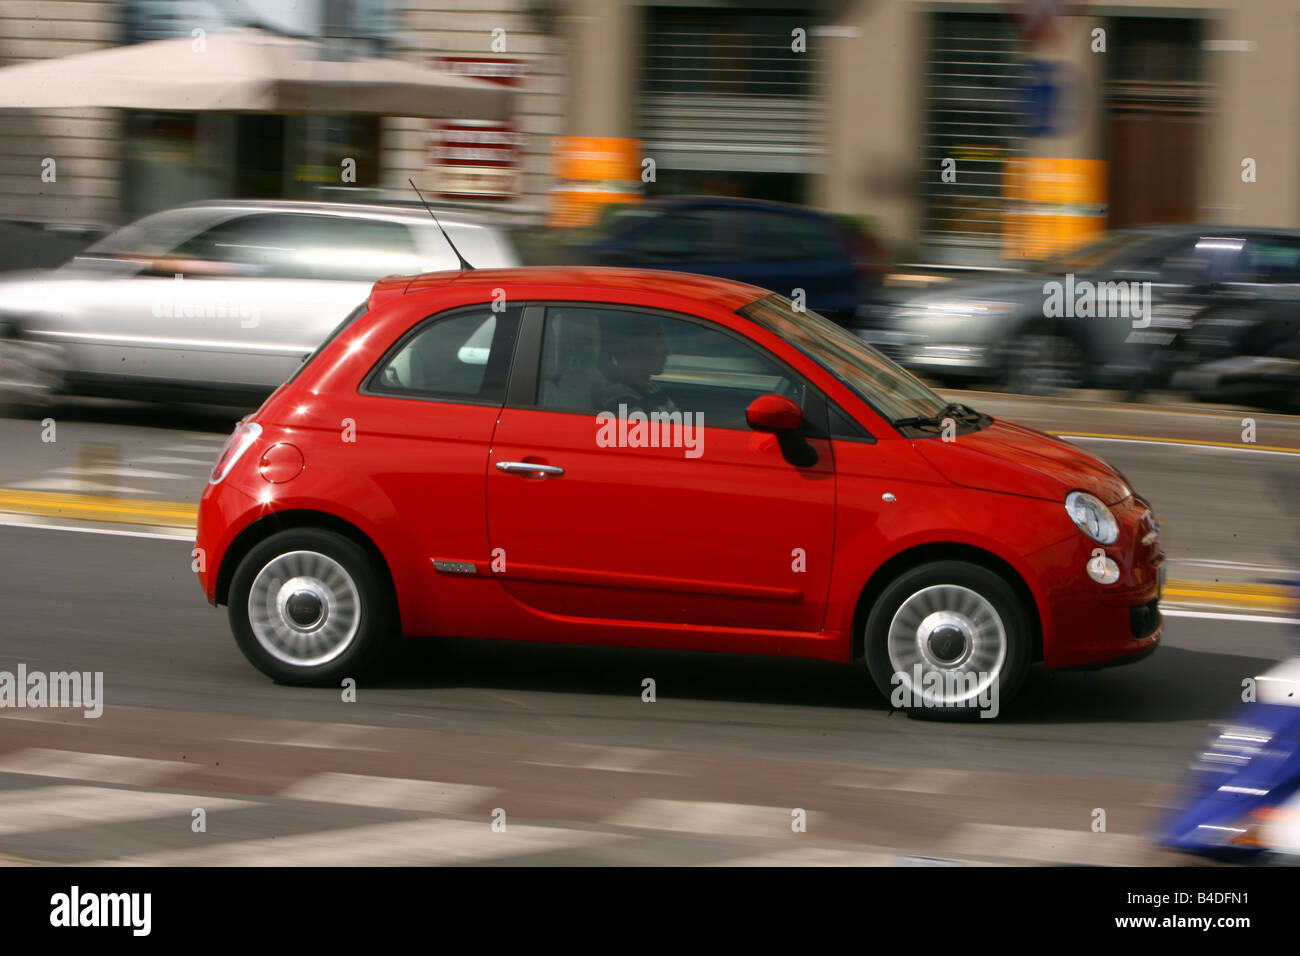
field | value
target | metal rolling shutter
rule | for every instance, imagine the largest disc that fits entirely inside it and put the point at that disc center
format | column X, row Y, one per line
column 970, row 103
column 724, row 91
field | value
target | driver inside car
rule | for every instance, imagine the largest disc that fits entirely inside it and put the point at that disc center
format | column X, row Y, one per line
column 631, row 355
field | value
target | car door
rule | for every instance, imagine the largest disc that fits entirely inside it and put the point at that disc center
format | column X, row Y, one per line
column 239, row 304
column 423, row 421
column 703, row 521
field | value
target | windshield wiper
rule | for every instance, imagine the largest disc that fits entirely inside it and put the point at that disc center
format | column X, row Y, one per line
column 954, row 410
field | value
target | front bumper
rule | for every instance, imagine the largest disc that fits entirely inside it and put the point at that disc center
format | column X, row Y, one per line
column 1095, row 625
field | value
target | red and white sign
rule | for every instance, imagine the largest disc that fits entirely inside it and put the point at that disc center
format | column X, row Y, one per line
column 477, row 159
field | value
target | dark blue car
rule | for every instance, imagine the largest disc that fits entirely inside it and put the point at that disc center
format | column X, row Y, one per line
column 772, row 245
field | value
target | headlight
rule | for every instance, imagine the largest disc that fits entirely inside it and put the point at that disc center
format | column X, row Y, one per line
column 1091, row 517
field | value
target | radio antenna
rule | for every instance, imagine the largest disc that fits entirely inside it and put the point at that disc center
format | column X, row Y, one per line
column 463, row 263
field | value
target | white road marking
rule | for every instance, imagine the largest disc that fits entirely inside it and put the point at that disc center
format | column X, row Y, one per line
column 120, row 471
column 17, row 521
column 1048, row 845
column 173, row 460
column 394, row 793
column 74, row 485
column 408, row 843
column 53, row 808
column 323, row 737
column 930, row 780
column 1235, row 566
column 816, row 856
column 865, row 779
column 1213, row 616
column 699, row 816
column 612, row 759
column 101, row 768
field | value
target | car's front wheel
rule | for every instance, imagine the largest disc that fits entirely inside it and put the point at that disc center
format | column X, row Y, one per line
column 307, row 606
column 948, row 639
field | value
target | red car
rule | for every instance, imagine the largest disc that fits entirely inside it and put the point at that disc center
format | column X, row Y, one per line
column 651, row 459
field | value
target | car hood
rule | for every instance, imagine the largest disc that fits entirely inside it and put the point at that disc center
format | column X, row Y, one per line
column 1012, row 459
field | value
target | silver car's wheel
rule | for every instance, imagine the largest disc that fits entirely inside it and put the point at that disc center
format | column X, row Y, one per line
column 951, row 631
column 304, row 608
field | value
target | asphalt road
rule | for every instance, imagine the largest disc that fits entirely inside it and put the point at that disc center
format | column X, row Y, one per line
column 557, row 741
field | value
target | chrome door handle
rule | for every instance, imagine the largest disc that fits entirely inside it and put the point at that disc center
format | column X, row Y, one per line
column 530, row 468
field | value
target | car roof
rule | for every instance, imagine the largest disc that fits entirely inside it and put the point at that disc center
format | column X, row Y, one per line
column 555, row 281
column 401, row 211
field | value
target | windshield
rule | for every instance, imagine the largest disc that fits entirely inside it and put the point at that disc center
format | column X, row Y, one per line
column 891, row 390
column 149, row 238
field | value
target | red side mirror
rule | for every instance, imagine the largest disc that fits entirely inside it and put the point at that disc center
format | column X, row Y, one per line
column 774, row 413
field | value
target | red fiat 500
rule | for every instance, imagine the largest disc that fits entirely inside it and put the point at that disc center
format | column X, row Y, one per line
column 650, row 459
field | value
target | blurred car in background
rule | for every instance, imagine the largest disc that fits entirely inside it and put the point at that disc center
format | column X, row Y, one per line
column 216, row 301
column 772, row 245
column 999, row 330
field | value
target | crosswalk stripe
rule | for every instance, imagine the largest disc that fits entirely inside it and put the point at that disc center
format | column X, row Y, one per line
column 322, row 737
column 815, row 856
column 1048, row 845
column 700, row 816
column 611, row 759
column 49, row 808
column 406, row 843
column 394, row 793
column 100, row 768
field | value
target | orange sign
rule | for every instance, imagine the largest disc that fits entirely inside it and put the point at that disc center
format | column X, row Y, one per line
column 591, row 172
column 1053, row 206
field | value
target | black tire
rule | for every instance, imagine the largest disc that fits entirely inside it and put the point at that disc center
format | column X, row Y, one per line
column 364, row 611
column 944, row 584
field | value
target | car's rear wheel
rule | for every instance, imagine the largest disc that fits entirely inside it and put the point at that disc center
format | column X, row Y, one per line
column 307, row 606
column 948, row 639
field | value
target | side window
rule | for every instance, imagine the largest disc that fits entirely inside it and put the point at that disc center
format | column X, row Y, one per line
column 1199, row 260
column 597, row 359
column 1271, row 259
column 672, row 237
column 464, row 356
column 298, row 246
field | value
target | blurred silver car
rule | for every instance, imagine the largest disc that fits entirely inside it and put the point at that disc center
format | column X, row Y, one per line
column 217, row 301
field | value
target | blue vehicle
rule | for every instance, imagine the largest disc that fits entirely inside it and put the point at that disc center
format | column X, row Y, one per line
column 772, row 245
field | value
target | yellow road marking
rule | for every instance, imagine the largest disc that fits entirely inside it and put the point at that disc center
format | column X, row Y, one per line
column 99, row 508
column 1197, row 592
column 1247, row 446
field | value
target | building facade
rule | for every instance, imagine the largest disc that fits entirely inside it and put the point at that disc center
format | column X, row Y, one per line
column 915, row 115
